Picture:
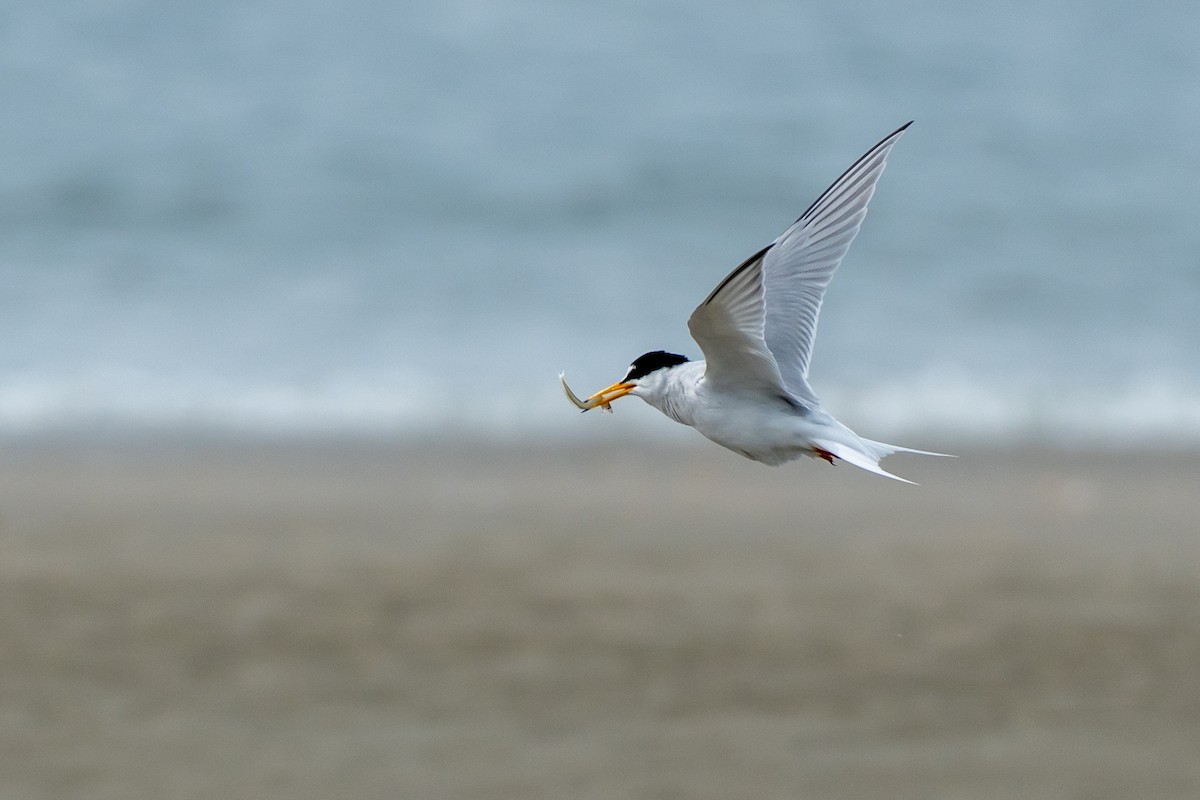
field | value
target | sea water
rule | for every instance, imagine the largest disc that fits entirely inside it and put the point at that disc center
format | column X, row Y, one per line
column 407, row 218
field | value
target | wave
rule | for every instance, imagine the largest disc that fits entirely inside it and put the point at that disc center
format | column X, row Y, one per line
column 1154, row 410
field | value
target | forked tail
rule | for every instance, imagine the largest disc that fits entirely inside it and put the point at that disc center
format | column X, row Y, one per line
column 871, row 454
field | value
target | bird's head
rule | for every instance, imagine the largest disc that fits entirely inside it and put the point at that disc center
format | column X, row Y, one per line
column 645, row 374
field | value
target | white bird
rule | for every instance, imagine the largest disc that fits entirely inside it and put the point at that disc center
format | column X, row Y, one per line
column 751, row 393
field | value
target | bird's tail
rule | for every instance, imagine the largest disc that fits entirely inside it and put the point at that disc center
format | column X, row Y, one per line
column 882, row 449
column 871, row 453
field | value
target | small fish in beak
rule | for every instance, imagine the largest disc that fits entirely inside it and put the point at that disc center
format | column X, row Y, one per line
column 601, row 399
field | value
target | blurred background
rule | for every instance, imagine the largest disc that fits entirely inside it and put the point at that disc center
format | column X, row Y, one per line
column 291, row 504
column 407, row 218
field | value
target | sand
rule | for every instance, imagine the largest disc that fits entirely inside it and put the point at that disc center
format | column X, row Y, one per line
column 191, row 619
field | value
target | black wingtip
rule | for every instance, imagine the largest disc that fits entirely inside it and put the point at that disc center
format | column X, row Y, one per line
column 887, row 140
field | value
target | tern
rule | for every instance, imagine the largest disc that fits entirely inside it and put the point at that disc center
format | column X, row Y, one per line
column 751, row 394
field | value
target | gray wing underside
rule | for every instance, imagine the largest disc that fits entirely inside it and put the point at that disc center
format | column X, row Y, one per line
column 797, row 267
column 728, row 326
column 756, row 327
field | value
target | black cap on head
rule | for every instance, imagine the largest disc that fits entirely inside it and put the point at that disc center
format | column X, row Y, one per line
column 643, row 365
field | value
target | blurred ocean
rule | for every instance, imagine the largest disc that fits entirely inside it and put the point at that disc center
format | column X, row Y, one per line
column 406, row 218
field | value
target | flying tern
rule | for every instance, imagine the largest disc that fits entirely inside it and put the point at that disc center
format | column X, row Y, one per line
column 751, row 394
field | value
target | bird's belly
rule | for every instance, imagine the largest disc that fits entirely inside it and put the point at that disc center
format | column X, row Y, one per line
column 765, row 434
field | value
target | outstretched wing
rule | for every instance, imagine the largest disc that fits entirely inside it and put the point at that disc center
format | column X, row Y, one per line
column 798, row 266
column 728, row 326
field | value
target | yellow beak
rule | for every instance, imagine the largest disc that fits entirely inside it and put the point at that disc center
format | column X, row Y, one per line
column 600, row 399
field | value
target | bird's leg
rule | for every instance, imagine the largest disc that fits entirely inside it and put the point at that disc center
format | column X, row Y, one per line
column 825, row 454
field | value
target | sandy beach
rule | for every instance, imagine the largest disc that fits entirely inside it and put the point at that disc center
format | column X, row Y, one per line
column 198, row 619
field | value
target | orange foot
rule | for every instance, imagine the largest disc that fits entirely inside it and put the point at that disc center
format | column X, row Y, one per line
column 825, row 454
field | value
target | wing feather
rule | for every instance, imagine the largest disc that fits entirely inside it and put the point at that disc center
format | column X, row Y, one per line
column 797, row 267
column 728, row 326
